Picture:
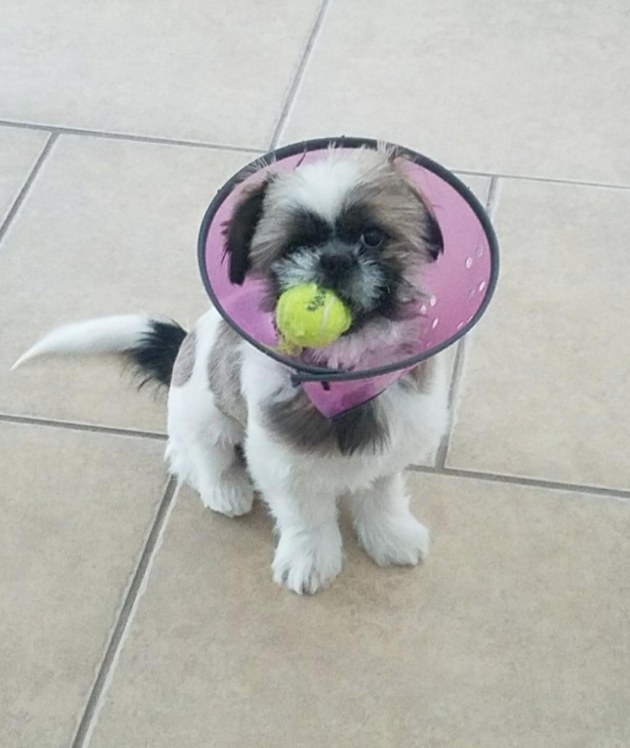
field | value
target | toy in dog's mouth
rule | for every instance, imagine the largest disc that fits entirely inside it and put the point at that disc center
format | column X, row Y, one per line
column 309, row 316
column 458, row 284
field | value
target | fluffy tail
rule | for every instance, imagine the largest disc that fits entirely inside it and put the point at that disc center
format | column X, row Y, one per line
column 150, row 344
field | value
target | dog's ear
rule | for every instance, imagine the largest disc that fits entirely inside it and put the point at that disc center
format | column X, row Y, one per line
column 240, row 231
column 433, row 235
column 432, row 231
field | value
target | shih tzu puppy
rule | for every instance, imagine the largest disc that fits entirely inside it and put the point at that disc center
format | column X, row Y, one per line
column 352, row 223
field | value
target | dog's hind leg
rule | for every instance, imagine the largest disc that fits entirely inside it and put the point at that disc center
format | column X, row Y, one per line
column 203, row 442
column 202, row 452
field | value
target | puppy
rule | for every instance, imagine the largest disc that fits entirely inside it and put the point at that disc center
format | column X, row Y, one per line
column 352, row 223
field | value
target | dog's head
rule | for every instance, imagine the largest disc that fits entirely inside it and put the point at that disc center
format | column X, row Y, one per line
column 352, row 223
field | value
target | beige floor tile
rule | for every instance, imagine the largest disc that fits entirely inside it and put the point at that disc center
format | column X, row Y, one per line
column 76, row 508
column 19, row 150
column 529, row 88
column 110, row 227
column 544, row 390
column 208, row 71
column 513, row 634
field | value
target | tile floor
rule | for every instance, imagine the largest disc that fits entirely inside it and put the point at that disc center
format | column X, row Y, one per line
column 131, row 617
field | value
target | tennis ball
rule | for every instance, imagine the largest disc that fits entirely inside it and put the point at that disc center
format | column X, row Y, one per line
column 308, row 316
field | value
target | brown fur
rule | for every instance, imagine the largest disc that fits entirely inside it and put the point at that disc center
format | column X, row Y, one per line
column 396, row 206
column 224, row 374
column 185, row 361
column 298, row 422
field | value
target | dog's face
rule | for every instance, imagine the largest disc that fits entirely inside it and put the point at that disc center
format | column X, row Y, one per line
column 352, row 223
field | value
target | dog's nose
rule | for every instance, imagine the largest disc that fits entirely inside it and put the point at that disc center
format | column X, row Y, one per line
column 336, row 264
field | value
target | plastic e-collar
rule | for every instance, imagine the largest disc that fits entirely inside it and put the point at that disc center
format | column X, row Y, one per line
column 459, row 283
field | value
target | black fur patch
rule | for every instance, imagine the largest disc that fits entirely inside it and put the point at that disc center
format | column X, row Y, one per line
column 360, row 429
column 388, row 303
column 239, row 454
column 154, row 357
column 296, row 420
column 307, row 230
column 240, row 231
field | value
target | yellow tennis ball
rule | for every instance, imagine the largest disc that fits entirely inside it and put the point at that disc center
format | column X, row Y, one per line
column 308, row 316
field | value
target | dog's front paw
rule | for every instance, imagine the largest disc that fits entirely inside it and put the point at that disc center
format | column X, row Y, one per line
column 398, row 539
column 232, row 497
column 307, row 561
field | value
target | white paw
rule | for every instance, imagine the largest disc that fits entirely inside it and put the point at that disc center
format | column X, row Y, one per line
column 398, row 539
column 307, row 561
column 232, row 497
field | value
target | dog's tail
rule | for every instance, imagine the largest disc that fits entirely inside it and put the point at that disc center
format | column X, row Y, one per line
column 150, row 344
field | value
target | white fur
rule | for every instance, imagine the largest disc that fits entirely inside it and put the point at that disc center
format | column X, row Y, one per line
column 93, row 336
column 302, row 490
column 384, row 524
column 319, row 187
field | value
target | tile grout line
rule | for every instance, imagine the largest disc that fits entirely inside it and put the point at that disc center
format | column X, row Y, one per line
column 492, row 201
column 61, row 130
column 77, row 426
column 121, row 627
column 437, row 469
column 620, row 494
column 551, row 180
column 106, row 135
column 21, row 196
column 298, row 76
column 494, row 195
column 458, row 365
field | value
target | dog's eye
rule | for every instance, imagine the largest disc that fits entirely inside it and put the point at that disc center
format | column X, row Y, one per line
column 372, row 237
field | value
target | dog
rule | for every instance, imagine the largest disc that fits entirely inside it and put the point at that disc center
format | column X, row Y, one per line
column 354, row 224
